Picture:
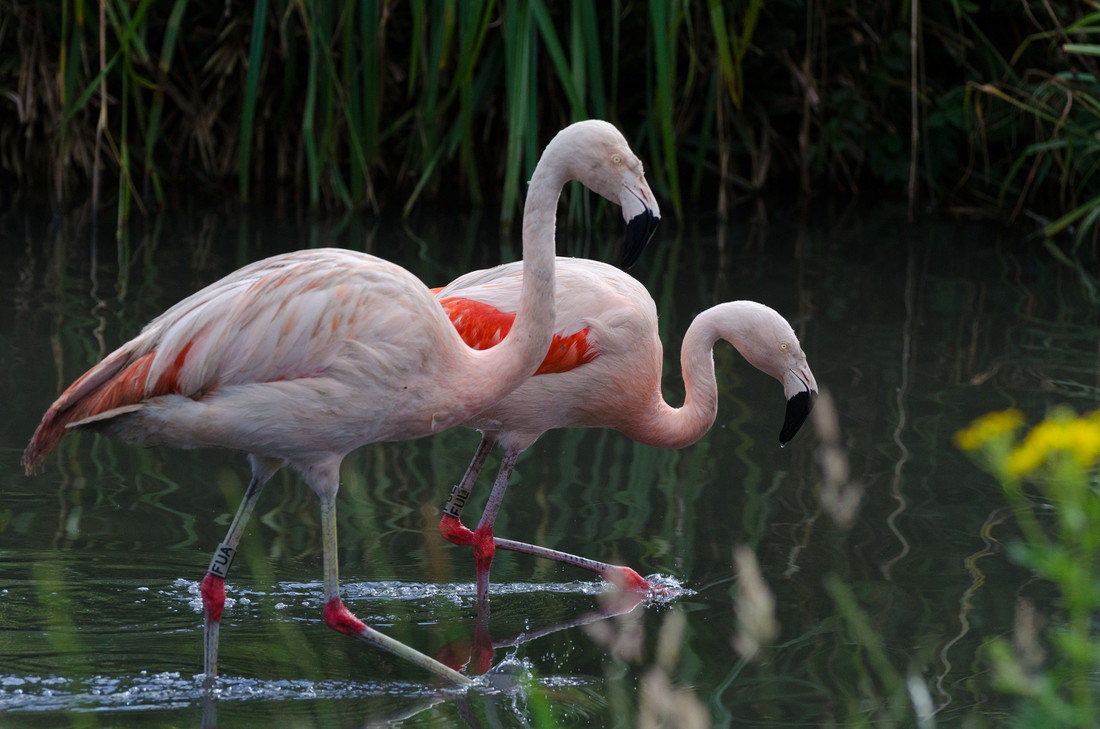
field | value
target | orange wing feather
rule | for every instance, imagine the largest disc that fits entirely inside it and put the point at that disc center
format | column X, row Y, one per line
column 125, row 385
column 482, row 326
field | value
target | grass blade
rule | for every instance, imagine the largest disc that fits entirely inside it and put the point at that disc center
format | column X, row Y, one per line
column 251, row 89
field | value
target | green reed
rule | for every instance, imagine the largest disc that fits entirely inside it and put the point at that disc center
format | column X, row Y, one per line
column 1052, row 90
column 389, row 105
column 248, row 115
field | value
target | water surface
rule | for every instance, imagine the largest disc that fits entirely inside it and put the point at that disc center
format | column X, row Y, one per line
column 912, row 330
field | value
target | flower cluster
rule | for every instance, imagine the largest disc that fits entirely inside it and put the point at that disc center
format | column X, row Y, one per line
column 1062, row 434
column 989, row 427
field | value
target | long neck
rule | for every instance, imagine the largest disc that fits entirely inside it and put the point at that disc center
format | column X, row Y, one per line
column 671, row 427
column 503, row 368
column 533, row 328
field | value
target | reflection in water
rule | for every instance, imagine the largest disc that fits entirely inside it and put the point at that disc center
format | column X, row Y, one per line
column 914, row 332
column 177, row 690
column 990, row 547
column 902, row 393
column 476, row 655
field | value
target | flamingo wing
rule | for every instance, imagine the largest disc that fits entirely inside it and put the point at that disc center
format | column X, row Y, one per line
column 482, row 306
column 282, row 318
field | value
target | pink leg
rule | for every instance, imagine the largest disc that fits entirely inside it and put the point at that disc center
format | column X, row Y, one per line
column 213, row 585
column 451, row 526
column 339, row 618
column 485, row 544
column 623, row 577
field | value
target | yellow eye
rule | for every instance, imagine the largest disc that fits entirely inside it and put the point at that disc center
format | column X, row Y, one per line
column 784, row 346
column 617, row 159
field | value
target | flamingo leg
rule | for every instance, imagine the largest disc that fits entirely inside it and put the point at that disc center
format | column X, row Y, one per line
column 213, row 584
column 339, row 618
column 620, row 575
column 485, row 544
column 451, row 526
column 623, row 577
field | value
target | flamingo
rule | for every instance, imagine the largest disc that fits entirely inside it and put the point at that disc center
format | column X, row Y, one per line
column 604, row 371
column 300, row 358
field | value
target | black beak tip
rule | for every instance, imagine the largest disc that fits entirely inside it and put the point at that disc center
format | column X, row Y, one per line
column 639, row 231
column 798, row 409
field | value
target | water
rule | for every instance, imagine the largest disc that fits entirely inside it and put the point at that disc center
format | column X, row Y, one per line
column 912, row 330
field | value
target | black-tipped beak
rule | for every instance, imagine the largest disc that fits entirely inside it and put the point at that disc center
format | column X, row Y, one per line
column 638, row 232
column 798, row 409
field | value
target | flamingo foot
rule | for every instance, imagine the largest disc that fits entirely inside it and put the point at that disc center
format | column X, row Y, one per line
column 340, row 619
column 626, row 578
column 454, row 655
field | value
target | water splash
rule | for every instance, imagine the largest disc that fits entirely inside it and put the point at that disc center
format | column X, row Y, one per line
column 172, row 690
column 666, row 588
column 309, row 595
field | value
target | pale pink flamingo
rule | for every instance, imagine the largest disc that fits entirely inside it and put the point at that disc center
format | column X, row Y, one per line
column 301, row 358
column 604, row 371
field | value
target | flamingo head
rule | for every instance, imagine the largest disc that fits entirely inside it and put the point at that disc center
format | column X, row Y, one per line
column 602, row 160
column 768, row 342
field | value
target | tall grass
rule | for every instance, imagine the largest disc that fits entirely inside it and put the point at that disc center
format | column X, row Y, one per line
column 387, row 106
column 1058, row 96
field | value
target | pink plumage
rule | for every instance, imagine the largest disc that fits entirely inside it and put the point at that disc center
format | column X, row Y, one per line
column 618, row 386
column 299, row 359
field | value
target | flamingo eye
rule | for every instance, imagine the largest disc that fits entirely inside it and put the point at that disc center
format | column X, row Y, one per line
column 785, row 347
column 617, row 159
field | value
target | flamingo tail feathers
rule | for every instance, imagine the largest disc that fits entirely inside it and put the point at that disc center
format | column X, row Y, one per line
column 113, row 387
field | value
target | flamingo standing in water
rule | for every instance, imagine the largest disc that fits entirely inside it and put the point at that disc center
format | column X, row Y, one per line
column 301, row 358
column 604, row 371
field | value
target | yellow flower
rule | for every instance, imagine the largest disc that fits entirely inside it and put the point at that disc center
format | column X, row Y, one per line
column 989, row 428
column 1085, row 437
column 1026, row 457
column 1076, row 437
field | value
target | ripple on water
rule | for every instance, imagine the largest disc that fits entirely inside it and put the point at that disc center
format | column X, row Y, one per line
column 463, row 594
column 171, row 690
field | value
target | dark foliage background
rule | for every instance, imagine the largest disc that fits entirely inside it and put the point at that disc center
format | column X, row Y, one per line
column 987, row 109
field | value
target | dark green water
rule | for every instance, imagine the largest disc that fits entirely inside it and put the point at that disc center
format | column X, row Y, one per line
column 913, row 330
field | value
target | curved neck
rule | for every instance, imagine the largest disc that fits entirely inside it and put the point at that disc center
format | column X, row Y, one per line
column 672, row 427
column 501, row 369
column 533, row 327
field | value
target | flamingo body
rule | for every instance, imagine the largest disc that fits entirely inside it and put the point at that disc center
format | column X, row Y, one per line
column 483, row 325
column 600, row 311
column 300, row 358
column 617, row 385
column 296, row 357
